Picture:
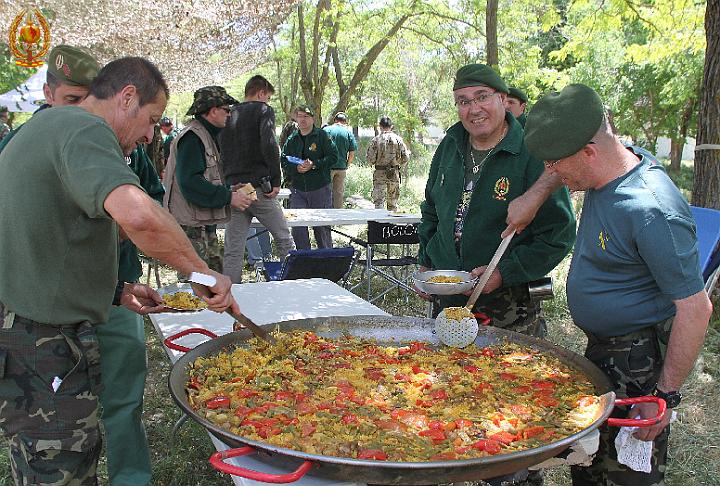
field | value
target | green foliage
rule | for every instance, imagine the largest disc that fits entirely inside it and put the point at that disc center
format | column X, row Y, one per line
column 11, row 74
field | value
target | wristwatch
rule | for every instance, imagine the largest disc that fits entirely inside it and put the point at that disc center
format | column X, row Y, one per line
column 672, row 398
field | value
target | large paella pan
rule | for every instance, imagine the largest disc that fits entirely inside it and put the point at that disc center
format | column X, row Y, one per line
column 389, row 330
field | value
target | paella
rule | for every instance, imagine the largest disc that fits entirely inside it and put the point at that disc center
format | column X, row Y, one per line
column 353, row 397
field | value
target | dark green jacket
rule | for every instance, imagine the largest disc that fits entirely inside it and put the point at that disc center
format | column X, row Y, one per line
column 344, row 141
column 522, row 119
column 508, row 173
column 129, row 269
column 190, row 169
column 316, row 146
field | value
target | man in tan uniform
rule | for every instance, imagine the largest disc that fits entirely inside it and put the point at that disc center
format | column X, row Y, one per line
column 388, row 153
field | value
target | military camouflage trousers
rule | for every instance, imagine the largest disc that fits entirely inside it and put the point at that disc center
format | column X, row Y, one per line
column 205, row 241
column 386, row 181
column 511, row 309
column 49, row 385
column 633, row 363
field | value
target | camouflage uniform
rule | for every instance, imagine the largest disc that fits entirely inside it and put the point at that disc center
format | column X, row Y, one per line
column 205, row 241
column 388, row 154
column 54, row 437
column 633, row 363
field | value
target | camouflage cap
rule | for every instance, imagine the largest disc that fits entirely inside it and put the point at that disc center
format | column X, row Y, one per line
column 209, row 97
column 72, row 65
column 305, row 109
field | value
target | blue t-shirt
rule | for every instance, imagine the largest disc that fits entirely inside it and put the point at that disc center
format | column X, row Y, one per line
column 636, row 252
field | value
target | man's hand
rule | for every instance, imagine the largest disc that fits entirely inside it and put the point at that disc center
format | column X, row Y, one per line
column 494, row 283
column 521, row 212
column 273, row 194
column 420, row 293
column 649, row 410
column 241, row 201
column 141, row 299
column 222, row 296
column 305, row 166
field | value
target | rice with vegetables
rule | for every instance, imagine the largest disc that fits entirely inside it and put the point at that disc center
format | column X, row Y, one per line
column 352, row 397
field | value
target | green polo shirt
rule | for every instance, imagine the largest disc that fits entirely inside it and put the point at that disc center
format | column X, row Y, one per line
column 58, row 247
column 344, row 141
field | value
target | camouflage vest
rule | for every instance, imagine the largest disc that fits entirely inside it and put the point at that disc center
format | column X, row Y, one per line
column 185, row 213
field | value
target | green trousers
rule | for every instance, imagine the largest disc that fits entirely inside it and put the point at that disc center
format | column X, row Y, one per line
column 124, row 368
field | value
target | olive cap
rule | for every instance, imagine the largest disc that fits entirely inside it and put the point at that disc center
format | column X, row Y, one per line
column 560, row 124
column 72, row 65
column 518, row 93
column 305, row 109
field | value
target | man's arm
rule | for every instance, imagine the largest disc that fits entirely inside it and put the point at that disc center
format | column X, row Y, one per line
column 686, row 339
column 522, row 209
column 158, row 235
column 351, row 157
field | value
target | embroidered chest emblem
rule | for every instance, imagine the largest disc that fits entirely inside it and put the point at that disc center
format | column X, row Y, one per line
column 603, row 239
column 313, row 147
column 502, row 187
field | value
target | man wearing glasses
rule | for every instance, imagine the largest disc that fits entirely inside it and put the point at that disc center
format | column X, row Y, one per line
column 480, row 166
column 196, row 194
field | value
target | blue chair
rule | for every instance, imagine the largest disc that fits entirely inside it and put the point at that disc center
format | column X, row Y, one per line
column 707, row 222
column 333, row 264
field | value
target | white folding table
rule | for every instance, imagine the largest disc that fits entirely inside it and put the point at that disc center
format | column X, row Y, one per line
column 266, row 303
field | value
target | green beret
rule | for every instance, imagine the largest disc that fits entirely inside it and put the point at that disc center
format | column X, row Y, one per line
column 210, row 97
column 477, row 75
column 305, row 109
column 560, row 124
column 518, row 93
column 71, row 65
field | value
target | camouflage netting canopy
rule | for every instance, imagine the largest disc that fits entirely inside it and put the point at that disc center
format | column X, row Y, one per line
column 190, row 40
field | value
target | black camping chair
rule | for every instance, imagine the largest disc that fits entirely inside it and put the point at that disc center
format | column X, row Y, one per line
column 333, row 264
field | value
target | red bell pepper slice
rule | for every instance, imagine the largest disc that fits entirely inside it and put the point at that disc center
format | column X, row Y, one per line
column 219, row 401
column 376, row 454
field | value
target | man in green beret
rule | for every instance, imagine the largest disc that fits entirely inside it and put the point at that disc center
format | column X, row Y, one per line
column 69, row 74
column 515, row 103
column 196, row 192
column 480, row 166
column 310, row 180
column 634, row 285
column 63, row 209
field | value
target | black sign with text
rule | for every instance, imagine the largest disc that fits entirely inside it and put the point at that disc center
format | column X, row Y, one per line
column 398, row 234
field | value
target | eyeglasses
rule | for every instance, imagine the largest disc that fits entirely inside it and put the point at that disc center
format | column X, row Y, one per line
column 225, row 108
column 480, row 99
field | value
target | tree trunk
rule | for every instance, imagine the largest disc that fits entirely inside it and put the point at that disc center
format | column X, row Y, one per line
column 706, row 186
column 491, row 10
column 676, row 150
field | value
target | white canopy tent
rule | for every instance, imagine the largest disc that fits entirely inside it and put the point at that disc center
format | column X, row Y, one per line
column 28, row 96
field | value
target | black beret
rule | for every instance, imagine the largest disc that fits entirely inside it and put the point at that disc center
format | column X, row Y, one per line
column 560, row 124
column 478, row 75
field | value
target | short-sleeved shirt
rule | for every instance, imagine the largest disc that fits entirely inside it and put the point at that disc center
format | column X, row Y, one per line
column 58, row 245
column 344, row 141
column 636, row 252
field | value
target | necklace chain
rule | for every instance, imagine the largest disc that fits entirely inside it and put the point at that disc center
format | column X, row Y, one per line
column 477, row 167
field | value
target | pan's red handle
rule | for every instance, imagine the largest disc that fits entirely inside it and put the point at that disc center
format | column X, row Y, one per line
column 195, row 330
column 647, row 422
column 482, row 318
column 217, row 462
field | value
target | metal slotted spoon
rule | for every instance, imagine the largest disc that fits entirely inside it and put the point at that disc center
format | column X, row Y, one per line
column 459, row 333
